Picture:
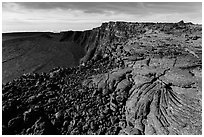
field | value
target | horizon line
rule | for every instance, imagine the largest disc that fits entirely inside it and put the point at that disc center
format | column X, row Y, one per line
column 60, row 31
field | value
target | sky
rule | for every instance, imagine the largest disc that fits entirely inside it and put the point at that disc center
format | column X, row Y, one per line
column 62, row 16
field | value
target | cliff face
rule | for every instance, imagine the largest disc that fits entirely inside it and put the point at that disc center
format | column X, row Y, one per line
column 134, row 78
column 88, row 40
column 98, row 40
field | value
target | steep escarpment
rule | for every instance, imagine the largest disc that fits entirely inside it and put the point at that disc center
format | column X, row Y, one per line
column 88, row 40
column 135, row 79
column 97, row 41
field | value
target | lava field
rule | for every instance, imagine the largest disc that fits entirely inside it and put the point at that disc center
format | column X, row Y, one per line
column 133, row 79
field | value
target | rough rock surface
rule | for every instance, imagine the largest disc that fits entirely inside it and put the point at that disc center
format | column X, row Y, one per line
column 136, row 79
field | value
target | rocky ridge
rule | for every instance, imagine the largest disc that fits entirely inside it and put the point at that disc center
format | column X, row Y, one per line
column 136, row 78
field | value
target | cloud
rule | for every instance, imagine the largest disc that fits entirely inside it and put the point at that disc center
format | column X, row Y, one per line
column 86, row 7
column 179, row 7
column 117, row 7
